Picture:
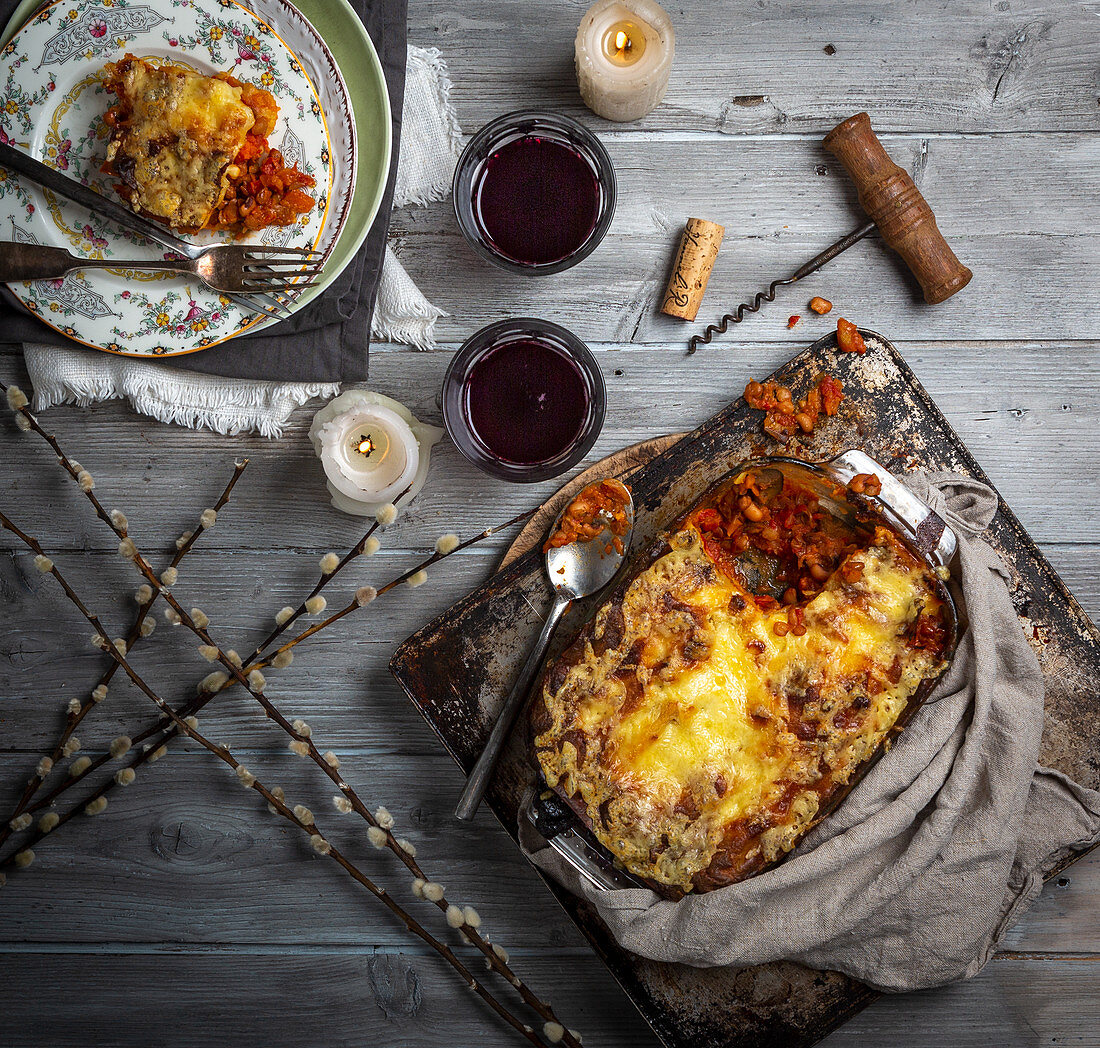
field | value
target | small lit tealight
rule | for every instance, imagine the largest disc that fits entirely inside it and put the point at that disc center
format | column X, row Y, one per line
column 372, row 450
column 623, row 53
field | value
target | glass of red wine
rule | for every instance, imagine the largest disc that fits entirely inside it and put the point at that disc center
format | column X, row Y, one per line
column 534, row 192
column 524, row 399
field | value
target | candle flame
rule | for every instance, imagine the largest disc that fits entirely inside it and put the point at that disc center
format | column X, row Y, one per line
column 623, row 43
column 365, row 445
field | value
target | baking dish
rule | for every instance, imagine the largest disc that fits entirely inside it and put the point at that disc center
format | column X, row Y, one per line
column 562, row 817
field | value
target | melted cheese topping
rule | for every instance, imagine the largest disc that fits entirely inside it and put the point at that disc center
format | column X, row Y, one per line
column 693, row 736
column 179, row 132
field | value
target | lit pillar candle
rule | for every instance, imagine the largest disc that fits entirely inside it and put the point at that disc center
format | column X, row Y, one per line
column 372, row 450
column 623, row 54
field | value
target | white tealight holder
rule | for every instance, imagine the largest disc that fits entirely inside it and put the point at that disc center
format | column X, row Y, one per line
column 373, row 450
column 623, row 54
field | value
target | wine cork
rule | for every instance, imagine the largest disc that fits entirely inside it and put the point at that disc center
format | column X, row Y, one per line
column 691, row 271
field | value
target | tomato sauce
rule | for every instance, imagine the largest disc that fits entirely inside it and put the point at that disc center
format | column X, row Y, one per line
column 600, row 507
column 785, row 523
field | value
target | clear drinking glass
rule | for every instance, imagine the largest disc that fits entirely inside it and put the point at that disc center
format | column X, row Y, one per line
column 534, row 192
column 524, row 399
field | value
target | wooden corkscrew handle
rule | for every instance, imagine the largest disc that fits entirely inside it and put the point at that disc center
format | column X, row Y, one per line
column 896, row 206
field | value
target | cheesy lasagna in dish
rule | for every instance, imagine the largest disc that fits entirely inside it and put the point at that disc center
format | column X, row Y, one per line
column 192, row 151
column 720, row 702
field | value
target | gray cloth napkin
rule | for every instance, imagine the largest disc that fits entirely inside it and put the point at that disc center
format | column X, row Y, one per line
column 327, row 340
column 918, row 875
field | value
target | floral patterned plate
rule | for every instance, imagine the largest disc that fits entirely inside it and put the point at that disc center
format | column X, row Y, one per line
column 52, row 105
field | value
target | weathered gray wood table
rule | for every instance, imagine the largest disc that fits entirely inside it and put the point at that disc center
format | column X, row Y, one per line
column 185, row 915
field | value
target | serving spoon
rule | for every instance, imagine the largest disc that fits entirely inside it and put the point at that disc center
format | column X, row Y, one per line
column 577, row 569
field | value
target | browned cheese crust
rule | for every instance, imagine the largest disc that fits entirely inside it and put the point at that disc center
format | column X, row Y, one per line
column 700, row 729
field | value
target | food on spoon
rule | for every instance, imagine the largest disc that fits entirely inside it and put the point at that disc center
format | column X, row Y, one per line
column 599, row 507
column 721, row 700
column 784, row 418
column 192, row 151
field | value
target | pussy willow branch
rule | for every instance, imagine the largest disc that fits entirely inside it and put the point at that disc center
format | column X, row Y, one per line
column 354, row 605
column 323, row 580
column 492, row 957
column 164, row 726
column 36, row 783
column 66, row 463
column 166, row 731
column 320, row 843
column 241, row 674
column 305, row 740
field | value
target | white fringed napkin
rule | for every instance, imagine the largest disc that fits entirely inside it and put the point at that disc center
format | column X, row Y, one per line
column 430, row 144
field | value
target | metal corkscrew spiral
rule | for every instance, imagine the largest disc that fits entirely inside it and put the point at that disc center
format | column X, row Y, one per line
column 761, row 297
column 737, row 316
column 895, row 206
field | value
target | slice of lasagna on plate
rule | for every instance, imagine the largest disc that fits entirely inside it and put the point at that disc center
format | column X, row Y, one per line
column 192, row 151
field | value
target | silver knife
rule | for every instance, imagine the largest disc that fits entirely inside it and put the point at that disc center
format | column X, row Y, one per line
column 20, row 261
column 46, row 177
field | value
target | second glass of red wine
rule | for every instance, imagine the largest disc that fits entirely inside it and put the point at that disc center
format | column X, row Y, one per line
column 534, row 192
column 524, row 399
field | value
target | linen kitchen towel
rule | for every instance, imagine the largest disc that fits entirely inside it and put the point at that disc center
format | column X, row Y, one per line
column 917, row 876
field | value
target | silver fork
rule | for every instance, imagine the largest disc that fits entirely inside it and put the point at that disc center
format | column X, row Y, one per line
column 233, row 269
column 262, row 302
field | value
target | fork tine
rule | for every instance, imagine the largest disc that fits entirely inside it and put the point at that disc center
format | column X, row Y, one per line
column 290, row 288
column 277, row 285
column 274, row 249
column 307, row 265
column 269, row 281
column 261, row 251
column 281, row 279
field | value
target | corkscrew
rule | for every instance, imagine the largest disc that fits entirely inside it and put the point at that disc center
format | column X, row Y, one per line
column 896, row 208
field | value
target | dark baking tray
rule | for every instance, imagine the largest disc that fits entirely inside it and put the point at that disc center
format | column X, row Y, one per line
column 458, row 668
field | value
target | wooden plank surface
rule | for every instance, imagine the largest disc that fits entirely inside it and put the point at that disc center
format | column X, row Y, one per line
column 1018, row 65
column 186, row 898
column 782, row 201
column 381, row 998
column 1020, row 406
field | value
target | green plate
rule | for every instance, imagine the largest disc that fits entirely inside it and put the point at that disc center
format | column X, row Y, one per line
column 19, row 16
column 341, row 29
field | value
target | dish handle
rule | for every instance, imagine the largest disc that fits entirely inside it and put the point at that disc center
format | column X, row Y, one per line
column 924, row 527
column 558, row 825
